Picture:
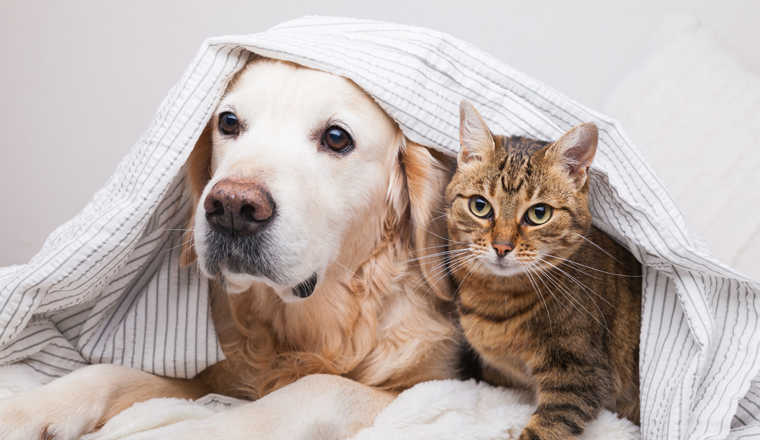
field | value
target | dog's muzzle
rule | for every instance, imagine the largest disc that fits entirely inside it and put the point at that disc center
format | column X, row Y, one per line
column 238, row 211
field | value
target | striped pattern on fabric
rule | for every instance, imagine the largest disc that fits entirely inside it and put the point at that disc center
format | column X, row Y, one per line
column 106, row 287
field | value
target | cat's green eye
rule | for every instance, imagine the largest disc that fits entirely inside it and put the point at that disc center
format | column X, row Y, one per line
column 480, row 207
column 538, row 214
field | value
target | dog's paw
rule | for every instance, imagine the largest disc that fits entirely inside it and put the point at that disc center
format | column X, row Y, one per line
column 34, row 416
column 61, row 410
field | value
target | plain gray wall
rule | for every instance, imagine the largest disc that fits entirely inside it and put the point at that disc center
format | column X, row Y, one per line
column 81, row 80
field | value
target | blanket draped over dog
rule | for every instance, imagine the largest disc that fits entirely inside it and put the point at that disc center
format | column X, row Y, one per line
column 107, row 286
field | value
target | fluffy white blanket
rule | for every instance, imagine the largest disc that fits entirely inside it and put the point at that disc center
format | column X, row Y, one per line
column 436, row 410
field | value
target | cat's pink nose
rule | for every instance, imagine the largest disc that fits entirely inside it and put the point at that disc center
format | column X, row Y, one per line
column 502, row 249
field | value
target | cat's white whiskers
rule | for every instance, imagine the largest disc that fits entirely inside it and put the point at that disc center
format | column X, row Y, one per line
column 438, row 254
column 560, row 290
column 548, row 289
column 440, row 272
column 569, row 294
column 442, row 267
column 587, row 267
column 355, row 274
column 598, row 247
column 433, row 233
column 445, row 271
column 562, row 260
column 424, row 277
column 528, row 271
column 583, row 286
column 461, row 263
column 430, row 247
column 586, row 290
column 467, row 276
column 435, row 218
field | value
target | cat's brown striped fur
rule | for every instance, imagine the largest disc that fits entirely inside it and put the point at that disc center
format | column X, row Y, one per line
column 559, row 312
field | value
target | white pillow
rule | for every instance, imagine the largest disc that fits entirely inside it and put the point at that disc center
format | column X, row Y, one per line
column 694, row 112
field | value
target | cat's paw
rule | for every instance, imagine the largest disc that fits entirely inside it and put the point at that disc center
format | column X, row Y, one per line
column 552, row 426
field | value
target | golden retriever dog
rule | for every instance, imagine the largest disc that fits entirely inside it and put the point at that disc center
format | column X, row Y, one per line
column 315, row 222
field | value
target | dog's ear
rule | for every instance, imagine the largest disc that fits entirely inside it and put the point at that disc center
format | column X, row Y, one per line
column 426, row 178
column 198, row 175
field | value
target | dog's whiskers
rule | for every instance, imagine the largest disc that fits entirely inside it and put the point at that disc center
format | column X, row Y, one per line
column 182, row 243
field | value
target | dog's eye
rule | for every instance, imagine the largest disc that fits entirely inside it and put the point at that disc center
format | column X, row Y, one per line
column 228, row 123
column 337, row 139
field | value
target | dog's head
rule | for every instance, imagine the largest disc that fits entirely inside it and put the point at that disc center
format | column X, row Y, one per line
column 300, row 171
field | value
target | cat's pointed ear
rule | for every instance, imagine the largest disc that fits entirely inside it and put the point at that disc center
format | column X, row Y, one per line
column 576, row 150
column 474, row 136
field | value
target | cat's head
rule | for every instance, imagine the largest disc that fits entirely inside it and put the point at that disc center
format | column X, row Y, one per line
column 516, row 203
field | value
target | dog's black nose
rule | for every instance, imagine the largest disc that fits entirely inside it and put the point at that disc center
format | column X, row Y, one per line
column 238, row 206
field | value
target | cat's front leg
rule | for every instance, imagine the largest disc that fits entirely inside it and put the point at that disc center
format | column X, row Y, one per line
column 570, row 394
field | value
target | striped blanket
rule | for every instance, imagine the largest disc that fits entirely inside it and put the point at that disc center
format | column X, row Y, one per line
column 107, row 286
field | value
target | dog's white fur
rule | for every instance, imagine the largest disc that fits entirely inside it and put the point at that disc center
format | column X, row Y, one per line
column 364, row 221
column 316, row 193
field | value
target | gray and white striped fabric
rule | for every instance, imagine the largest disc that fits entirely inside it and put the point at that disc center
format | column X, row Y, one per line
column 107, row 287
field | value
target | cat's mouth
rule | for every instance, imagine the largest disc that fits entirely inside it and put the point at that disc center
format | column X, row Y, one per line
column 505, row 268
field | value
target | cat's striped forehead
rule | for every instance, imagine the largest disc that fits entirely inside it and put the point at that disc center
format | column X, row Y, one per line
column 519, row 148
column 515, row 169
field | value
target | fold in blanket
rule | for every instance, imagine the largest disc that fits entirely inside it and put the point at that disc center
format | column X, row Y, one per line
column 107, row 287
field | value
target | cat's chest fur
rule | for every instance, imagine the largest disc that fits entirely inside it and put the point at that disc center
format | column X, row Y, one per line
column 499, row 327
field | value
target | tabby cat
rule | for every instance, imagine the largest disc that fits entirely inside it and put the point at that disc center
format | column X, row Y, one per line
column 548, row 302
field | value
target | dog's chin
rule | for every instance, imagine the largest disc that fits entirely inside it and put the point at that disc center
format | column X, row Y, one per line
column 241, row 262
column 235, row 283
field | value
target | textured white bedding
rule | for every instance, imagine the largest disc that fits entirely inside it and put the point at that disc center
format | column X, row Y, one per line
column 437, row 410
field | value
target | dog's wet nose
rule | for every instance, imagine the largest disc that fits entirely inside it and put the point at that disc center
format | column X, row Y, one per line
column 238, row 206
